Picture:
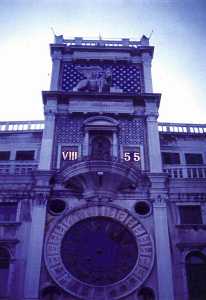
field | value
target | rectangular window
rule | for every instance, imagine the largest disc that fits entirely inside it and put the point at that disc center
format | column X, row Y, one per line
column 193, row 158
column 170, row 158
column 8, row 211
column 25, row 155
column 190, row 214
column 4, row 155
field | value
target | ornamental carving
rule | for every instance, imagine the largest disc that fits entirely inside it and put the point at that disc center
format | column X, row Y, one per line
column 125, row 77
column 97, row 79
column 99, row 252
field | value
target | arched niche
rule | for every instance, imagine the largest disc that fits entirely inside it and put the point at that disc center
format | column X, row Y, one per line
column 195, row 264
column 50, row 292
column 100, row 130
column 4, row 271
column 146, row 293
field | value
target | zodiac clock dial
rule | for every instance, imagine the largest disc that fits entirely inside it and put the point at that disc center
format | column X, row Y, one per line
column 99, row 251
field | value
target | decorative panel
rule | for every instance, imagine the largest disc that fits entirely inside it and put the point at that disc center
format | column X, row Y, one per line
column 127, row 77
column 132, row 131
column 69, row 129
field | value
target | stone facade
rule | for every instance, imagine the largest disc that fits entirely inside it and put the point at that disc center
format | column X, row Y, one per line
column 100, row 201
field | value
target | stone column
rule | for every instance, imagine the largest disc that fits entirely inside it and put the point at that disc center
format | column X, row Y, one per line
column 154, row 152
column 48, row 136
column 147, row 59
column 86, row 144
column 163, row 251
column 12, row 292
column 203, row 209
column 35, row 248
column 115, row 145
column 56, row 63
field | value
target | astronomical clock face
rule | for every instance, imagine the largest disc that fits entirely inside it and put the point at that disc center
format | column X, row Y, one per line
column 99, row 252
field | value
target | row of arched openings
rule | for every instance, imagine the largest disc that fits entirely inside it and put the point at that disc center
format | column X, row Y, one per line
column 4, row 271
column 195, row 265
column 52, row 293
column 146, row 294
column 196, row 275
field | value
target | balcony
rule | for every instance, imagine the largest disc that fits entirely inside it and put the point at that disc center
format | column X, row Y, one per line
column 190, row 236
column 9, row 231
column 185, row 171
column 12, row 167
column 100, row 178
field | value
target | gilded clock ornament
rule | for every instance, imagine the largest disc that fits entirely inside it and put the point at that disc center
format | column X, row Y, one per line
column 99, row 252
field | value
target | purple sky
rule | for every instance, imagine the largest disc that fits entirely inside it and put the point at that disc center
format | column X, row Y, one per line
column 179, row 65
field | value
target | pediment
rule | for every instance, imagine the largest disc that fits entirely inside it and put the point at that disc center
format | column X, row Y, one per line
column 101, row 121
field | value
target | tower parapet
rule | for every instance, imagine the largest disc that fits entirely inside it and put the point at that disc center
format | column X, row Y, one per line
column 104, row 53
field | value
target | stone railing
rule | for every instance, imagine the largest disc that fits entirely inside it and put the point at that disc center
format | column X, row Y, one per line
column 109, row 160
column 8, row 126
column 9, row 230
column 182, row 171
column 79, row 41
column 182, row 128
column 17, row 168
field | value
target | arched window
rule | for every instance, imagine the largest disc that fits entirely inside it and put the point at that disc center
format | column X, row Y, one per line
column 146, row 294
column 196, row 274
column 4, row 271
column 50, row 293
column 101, row 148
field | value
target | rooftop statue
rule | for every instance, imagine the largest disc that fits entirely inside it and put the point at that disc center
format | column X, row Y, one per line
column 97, row 79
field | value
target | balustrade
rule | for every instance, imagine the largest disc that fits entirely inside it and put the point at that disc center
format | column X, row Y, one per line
column 21, row 126
column 13, row 168
column 100, row 42
column 178, row 171
column 182, row 128
column 9, row 230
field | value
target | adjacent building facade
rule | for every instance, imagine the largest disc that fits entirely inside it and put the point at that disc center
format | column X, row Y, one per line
column 100, row 201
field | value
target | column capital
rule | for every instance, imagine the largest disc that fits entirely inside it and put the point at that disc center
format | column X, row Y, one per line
column 51, row 107
column 151, row 110
column 147, row 58
column 152, row 116
column 50, row 114
column 160, row 201
column 40, row 198
column 56, row 55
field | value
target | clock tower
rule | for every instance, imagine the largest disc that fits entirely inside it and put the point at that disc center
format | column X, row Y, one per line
column 101, row 227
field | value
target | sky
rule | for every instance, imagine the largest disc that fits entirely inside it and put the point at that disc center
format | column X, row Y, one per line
column 178, row 34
